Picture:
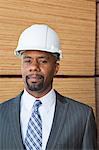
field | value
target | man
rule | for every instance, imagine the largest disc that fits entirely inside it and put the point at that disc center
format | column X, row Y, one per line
column 40, row 118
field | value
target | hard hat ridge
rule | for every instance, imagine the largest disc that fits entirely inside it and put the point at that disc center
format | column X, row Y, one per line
column 38, row 37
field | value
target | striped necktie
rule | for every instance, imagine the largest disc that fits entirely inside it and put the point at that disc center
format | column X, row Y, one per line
column 33, row 140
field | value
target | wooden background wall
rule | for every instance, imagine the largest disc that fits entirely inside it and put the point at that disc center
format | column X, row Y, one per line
column 75, row 22
column 97, row 69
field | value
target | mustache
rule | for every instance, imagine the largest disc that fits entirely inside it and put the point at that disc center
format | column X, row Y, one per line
column 38, row 76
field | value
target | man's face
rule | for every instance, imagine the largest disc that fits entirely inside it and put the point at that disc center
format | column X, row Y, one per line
column 38, row 70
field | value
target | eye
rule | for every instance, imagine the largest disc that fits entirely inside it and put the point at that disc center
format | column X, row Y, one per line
column 27, row 60
column 43, row 61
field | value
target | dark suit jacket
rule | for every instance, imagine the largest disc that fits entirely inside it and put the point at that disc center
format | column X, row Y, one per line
column 73, row 127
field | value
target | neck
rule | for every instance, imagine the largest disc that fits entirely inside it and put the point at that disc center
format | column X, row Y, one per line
column 38, row 94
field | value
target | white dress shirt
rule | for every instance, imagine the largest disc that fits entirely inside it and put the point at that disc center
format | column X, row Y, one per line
column 46, row 111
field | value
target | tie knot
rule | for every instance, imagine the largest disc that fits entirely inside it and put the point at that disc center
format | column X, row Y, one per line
column 37, row 104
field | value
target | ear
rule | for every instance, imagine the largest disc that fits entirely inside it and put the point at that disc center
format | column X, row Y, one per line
column 56, row 68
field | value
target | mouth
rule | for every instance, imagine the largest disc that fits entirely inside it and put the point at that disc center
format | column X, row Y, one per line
column 34, row 82
column 35, row 78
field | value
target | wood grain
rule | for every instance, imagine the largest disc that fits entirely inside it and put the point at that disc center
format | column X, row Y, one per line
column 97, row 50
column 73, row 20
column 97, row 106
column 97, row 73
column 80, row 89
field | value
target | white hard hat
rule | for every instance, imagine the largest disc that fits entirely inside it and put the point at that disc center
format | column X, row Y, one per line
column 39, row 37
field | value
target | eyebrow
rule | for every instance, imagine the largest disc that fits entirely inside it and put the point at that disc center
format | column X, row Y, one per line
column 26, row 57
column 39, row 57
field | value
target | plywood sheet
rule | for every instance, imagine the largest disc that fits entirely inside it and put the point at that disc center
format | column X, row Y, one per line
column 97, row 50
column 97, row 106
column 73, row 20
column 80, row 89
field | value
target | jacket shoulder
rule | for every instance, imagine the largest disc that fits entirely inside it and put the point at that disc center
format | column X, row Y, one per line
column 11, row 101
column 73, row 104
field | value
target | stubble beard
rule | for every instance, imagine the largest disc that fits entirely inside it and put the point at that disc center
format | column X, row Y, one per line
column 35, row 86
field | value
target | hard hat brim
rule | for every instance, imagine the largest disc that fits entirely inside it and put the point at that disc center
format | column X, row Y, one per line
column 19, row 53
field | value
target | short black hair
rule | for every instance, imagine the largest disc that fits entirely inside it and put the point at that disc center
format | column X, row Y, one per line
column 57, row 55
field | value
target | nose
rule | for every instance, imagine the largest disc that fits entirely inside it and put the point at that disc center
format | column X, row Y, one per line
column 34, row 66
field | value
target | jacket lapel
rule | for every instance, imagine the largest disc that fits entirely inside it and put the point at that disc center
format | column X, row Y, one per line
column 15, row 122
column 59, row 118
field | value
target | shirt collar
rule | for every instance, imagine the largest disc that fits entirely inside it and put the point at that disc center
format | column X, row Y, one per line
column 47, row 100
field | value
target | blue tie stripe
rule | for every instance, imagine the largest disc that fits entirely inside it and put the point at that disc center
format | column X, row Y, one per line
column 36, row 123
column 30, row 145
column 35, row 126
column 33, row 140
column 35, row 134
column 35, row 129
column 36, row 120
